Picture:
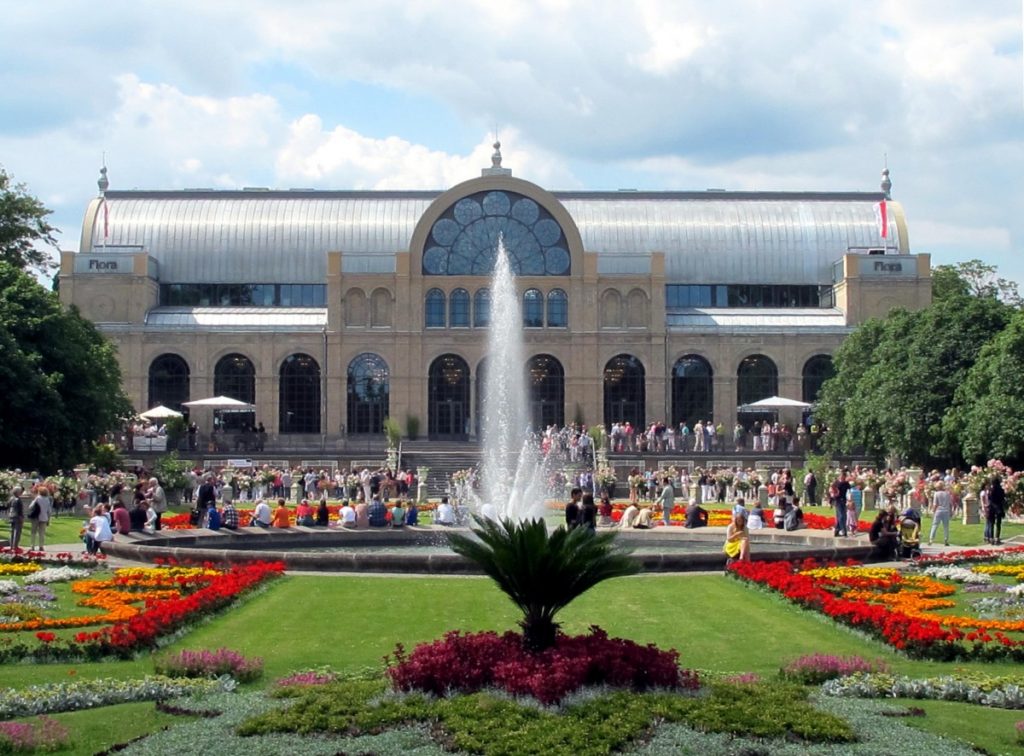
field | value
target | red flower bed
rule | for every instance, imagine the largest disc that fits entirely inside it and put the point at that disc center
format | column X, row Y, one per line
column 470, row 662
column 843, row 599
column 968, row 555
column 160, row 616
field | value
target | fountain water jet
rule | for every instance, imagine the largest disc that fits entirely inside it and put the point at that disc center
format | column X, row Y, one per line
column 513, row 476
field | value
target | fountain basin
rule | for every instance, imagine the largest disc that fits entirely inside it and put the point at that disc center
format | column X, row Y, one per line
column 423, row 550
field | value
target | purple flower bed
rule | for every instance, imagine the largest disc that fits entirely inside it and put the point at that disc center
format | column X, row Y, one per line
column 814, row 669
column 223, row 661
column 44, row 734
column 306, row 679
column 469, row 662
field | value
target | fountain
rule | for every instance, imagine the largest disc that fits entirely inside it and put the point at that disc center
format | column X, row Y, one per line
column 513, row 473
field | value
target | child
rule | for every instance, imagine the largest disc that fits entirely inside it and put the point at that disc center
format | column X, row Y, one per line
column 851, row 516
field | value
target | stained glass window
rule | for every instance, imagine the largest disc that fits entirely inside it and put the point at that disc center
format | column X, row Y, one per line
column 464, row 240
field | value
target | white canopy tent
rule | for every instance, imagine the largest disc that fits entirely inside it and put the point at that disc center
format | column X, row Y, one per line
column 220, row 402
column 159, row 412
column 773, row 403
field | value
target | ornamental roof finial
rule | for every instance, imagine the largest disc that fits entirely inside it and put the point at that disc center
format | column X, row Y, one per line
column 496, row 169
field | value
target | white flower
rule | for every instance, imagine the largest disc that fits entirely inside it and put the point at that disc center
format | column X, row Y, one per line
column 56, row 575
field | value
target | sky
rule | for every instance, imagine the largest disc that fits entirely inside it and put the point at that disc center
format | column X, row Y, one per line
column 591, row 94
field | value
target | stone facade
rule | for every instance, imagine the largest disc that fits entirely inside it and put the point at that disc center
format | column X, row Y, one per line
column 382, row 313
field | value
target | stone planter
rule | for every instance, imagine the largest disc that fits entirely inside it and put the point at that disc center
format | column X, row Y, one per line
column 971, row 510
column 870, row 498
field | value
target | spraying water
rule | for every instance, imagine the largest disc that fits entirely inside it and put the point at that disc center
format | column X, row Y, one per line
column 512, row 474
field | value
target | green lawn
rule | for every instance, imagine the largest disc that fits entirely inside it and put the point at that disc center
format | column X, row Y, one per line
column 350, row 622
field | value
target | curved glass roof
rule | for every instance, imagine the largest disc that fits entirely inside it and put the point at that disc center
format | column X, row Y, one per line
column 706, row 237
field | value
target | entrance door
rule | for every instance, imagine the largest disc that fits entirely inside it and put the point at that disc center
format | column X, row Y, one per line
column 448, row 397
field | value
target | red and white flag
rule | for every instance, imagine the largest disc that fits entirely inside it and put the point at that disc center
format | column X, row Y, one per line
column 882, row 214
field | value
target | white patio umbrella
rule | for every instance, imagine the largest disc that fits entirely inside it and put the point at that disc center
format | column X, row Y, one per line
column 159, row 412
column 773, row 403
column 219, row 402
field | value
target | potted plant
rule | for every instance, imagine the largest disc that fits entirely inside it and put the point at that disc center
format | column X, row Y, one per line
column 172, row 473
column 412, row 427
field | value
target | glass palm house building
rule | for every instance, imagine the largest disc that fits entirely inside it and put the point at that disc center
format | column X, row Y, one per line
column 329, row 311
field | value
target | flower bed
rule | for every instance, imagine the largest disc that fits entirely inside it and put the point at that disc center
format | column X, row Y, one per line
column 138, row 606
column 10, row 556
column 219, row 663
column 997, row 692
column 470, row 662
column 907, row 611
column 89, row 694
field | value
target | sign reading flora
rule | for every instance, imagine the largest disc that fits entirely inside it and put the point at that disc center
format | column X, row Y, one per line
column 107, row 264
column 888, row 266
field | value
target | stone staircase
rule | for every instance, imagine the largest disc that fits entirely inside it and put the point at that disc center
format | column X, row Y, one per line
column 442, row 457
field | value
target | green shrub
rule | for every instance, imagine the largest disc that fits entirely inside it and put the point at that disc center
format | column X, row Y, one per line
column 412, row 427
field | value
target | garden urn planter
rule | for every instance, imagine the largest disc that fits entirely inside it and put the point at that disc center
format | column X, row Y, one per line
column 971, row 511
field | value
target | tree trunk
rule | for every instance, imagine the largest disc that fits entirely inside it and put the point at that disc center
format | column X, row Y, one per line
column 538, row 633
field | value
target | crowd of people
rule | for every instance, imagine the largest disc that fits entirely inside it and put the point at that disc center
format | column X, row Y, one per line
column 705, row 436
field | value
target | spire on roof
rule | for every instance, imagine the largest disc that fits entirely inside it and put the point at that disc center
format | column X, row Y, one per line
column 886, row 181
column 103, row 182
column 496, row 169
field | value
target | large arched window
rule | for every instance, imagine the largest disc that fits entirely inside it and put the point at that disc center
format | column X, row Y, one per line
column 692, row 390
column 817, row 370
column 757, row 378
column 558, row 309
column 299, row 395
column 168, row 381
column 546, row 380
column 434, row 309
column 368, row 394
column 464, row 240
column 235, row 376
column 482, row 308
column 448, row 397
column 458, row 309
column 533, row 309
column 625, row 393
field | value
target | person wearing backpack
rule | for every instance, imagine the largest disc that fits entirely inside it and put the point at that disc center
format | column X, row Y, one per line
column 39, row 512
column 16, row 514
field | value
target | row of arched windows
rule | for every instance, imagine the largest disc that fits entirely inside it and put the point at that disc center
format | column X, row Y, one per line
column 453, row 311
column 448, row 412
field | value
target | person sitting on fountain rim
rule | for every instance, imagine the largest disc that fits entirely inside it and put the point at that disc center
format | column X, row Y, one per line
column 696, row 515
column 643, row 519
column 444, row 515
column 588, row 512
column 377, row 512
column 572, row 508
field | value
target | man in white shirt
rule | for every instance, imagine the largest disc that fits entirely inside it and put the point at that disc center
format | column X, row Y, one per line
column 262, row 516
column 99, row 531
column 445, row 514
column 347, row 515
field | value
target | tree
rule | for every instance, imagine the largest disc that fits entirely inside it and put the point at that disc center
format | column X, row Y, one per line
column 541, row 572
column 24, row 231
column 987, row 416
column 59, row 378
column 896, row 379
column 973, row 278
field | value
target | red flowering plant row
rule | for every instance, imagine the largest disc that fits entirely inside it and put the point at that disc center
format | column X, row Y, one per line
column 468, row 662
column 969, row 556
column 899, row 608
column 16, row 555
column 170, row 599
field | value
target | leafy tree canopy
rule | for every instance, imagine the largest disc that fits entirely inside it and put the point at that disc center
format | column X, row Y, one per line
column 973, row 278
column 987, row 416
column 24, row 231
column 896, row 378
column 59, row 378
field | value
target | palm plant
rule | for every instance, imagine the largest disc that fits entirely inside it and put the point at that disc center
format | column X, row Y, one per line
column 542, row 572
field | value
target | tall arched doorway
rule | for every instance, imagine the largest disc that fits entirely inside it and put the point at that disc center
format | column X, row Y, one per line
column 448, row 397
column 692, row 390
column 168, row 382
column 625, row 392
column 299, row 395
column 369, row 391
column 545, row 378
column 817, row 370
column 757, row 378
column 235, row 376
